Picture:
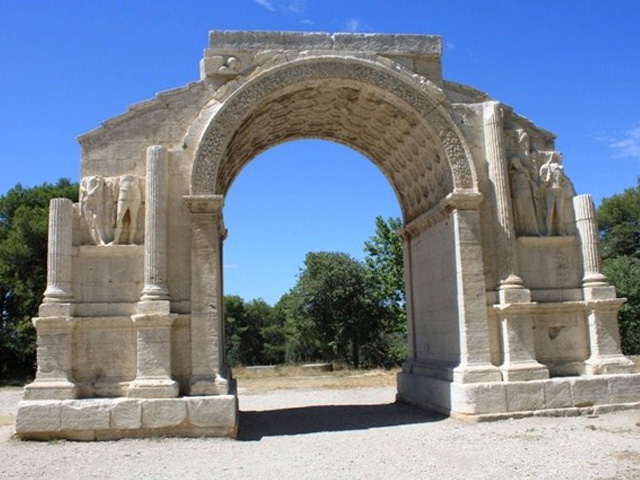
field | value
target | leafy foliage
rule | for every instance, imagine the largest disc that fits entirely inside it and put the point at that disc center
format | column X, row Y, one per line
column 624, row 272
column 339, row 310
column 23, row 263
column 386, row 265
column 339, row 300
column 619, row 223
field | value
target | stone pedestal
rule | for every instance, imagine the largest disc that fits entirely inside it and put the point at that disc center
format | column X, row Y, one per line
column 518, row 351
column 153, row 378
column 604, row 337
column 54, row 353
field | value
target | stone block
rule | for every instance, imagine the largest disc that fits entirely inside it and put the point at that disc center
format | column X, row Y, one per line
column 159, row 413
column 478, row 398
column 126, row 414
column 38, row 416
column 557, row 394
column 589, row 391
column 212, row 411
column 85, row 415
column 624, row 388
column 525, row 396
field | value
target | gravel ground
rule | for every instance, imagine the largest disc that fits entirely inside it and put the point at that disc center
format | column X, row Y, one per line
column 356, row 433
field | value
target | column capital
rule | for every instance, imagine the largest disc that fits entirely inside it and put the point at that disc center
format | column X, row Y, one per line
column 204, row 203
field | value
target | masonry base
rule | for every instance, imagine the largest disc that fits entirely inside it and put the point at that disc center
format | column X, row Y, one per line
column 565, row 396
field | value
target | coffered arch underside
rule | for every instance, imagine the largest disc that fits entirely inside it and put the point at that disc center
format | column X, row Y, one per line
column 391, row 120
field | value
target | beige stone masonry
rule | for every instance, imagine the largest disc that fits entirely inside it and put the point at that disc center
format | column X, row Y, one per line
column 207, row 330
column 503, row 275
column 54, row 354
column 153, row 379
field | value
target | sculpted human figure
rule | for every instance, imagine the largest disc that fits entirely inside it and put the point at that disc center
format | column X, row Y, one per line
column 92, row 191
column 129, row 202
column 522, row 188
column 553, row 181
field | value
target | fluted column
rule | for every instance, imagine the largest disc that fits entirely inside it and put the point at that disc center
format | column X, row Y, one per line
column 54, row 326
column 495, row 152
column 587, row 226
column 519, row 362
column 155, row 225
column 209, row 374
column 153, row 319
column 59, row 252
column 600, row 298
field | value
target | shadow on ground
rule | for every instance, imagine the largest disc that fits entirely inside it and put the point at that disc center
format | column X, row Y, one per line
column 328, row 418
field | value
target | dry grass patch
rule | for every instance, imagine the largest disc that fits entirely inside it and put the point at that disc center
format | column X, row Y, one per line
column 297, row 378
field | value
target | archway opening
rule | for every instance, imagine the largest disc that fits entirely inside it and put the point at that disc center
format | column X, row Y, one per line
column 300, row 197
column 395, row 123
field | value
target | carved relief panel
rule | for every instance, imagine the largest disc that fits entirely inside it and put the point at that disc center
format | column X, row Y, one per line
column 539, row 186
column 112, row 208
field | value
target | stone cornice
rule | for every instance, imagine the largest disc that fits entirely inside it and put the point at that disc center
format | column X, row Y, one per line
column 458, row 200
column 204, row 203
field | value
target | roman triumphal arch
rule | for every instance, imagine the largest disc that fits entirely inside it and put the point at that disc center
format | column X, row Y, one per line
column 508, row 313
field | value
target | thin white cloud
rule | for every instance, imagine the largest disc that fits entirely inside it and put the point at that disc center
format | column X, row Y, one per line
column 291, row 7
column 627, row 145
column 449, row 46
column 266, row 4
column 229, row 266
column 352, row 25
column 306, row 21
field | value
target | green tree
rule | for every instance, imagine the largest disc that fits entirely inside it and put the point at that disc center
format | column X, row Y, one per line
column 619, row 223
column 336, row 295
column 244, row 326
column 23, row 264
column 302, row 341
column 624, row 272
column 273, row 333
column 385, row 262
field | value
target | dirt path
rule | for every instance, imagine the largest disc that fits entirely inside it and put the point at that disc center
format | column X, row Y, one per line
column 355, row 433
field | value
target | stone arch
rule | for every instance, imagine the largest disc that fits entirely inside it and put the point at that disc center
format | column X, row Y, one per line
column 492, row 313
column 383, row 113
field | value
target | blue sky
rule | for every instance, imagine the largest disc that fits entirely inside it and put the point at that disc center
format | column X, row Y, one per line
column 572, row 67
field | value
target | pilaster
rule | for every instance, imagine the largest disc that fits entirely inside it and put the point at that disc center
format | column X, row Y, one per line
column 209, row 375
column 475, row 362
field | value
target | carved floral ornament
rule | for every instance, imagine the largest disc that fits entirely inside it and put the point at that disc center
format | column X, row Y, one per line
column 209, row 175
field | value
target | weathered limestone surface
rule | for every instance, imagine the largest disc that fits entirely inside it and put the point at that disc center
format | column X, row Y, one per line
column 508, row 313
